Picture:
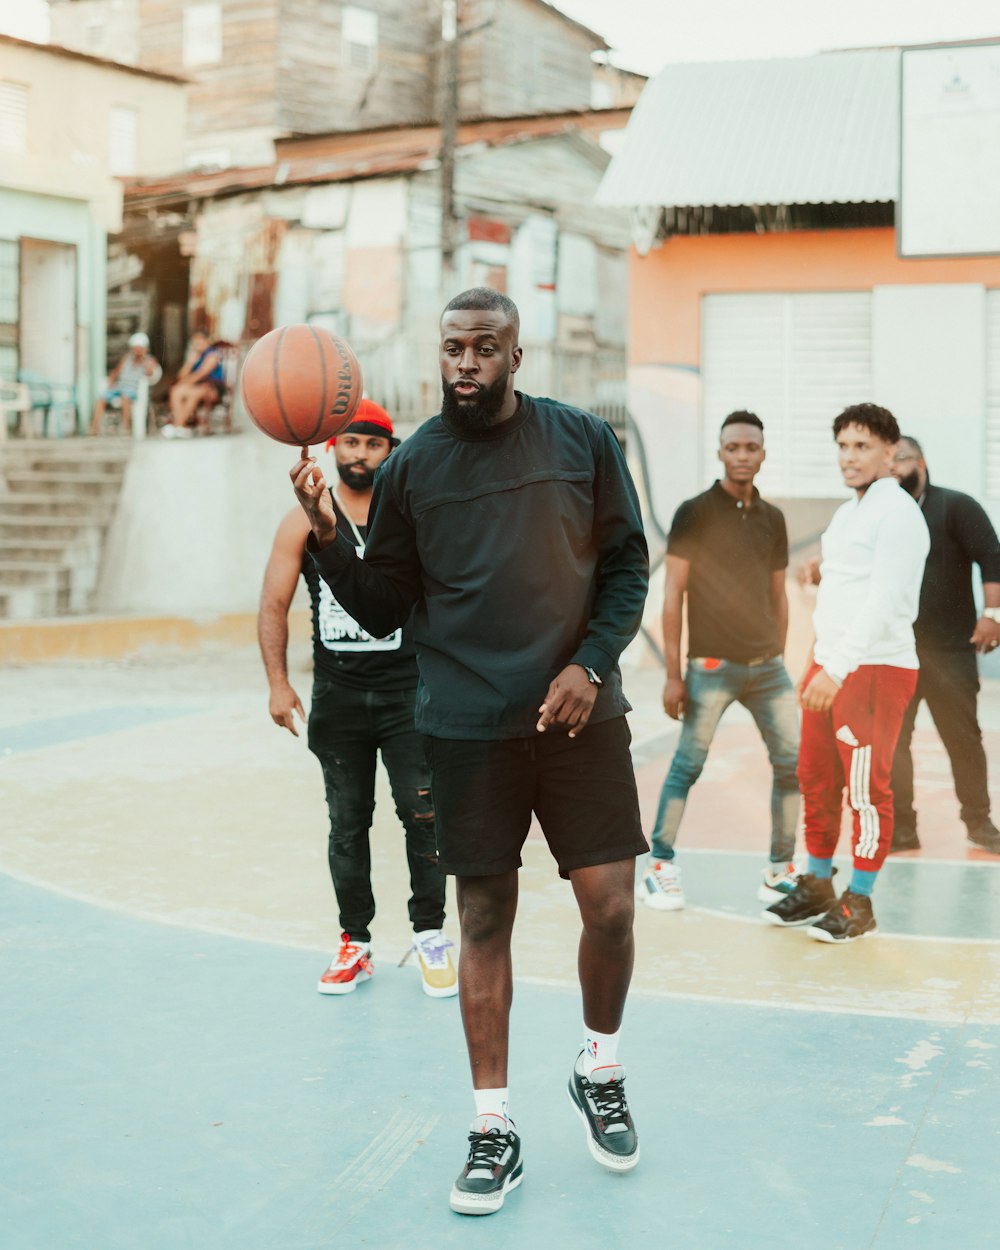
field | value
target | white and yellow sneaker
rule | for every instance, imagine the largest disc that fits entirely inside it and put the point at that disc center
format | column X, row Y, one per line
column 439, row 974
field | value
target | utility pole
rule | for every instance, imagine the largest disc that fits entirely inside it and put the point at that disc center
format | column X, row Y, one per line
column 449, row 130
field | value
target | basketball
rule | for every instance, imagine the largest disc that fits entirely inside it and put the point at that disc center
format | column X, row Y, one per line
column 301, row 385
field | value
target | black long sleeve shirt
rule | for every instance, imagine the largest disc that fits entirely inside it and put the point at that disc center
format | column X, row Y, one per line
column 519, row 549
column 961, row 535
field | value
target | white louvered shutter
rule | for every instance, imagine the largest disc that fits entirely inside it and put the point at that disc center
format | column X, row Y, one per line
column 13, row 117
column 796, row 360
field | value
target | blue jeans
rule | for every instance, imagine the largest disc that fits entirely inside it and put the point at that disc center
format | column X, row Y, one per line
column 766, row 691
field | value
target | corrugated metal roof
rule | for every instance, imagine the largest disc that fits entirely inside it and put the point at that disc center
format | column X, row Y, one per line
column 811, row 130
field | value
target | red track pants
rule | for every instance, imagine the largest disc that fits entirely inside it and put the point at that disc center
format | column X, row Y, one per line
column 851, row 747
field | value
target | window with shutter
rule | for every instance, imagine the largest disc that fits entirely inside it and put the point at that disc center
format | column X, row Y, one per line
column 359, row 35
column 124, row 140
column 9, row 307
column 202, row 35
column 13, row 116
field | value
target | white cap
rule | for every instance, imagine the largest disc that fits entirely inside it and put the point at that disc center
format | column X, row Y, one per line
column 139, row 340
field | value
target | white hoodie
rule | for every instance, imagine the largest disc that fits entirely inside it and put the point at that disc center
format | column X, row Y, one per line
column 872, row 565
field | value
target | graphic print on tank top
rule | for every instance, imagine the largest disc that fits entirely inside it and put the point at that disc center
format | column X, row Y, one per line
column 339, row 631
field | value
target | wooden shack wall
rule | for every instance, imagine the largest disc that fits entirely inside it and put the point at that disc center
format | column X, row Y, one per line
column 524, row 59
column 318, row 90
column 237, row 93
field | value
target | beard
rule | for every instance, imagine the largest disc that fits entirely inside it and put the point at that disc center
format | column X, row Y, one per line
column 478, row 412
column 356, row 476
column 910, row 483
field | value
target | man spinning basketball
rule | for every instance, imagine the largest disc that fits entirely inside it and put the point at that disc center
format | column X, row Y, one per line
column 510, row 527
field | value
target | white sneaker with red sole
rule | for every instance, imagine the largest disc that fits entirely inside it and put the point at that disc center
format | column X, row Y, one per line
column 350, row 967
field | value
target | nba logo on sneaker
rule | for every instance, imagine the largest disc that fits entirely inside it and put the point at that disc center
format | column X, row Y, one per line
column 845, row 735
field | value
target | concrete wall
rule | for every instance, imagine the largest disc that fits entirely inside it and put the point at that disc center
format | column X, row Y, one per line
column 194, row 526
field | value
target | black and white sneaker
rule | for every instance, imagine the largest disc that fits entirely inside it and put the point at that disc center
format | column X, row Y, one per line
column 600, row 1104
column 807, row 902
column 494, row 1167
column 849, row 918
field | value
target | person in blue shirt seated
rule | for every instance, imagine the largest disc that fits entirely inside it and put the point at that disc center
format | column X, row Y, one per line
column 201, row 380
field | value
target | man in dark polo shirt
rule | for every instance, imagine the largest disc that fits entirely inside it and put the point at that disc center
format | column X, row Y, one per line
column 948, row 637
column 726, row 555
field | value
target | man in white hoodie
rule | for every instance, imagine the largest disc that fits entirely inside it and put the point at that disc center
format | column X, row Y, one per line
column 861, row 677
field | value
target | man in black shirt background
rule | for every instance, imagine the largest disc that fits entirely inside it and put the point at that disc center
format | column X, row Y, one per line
column 511, row 528
column 363, row 697
column 948, row 636
column 726, row 556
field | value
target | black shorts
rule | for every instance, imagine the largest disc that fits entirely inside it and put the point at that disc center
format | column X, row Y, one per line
column 581, row 789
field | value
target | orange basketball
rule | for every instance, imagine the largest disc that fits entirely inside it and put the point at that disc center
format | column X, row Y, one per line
column 301, row 385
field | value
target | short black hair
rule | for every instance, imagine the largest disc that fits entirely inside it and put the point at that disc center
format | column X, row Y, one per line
column 878, row 421
column 914, row 443
column 485, row 299
column 742, row 417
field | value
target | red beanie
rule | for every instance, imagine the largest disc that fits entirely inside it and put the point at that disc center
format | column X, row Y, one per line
column 370, row 418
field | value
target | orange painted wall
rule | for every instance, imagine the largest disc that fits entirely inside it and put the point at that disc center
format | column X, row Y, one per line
column 667, row 285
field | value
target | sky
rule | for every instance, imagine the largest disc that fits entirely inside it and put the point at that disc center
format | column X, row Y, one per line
column 647, row 34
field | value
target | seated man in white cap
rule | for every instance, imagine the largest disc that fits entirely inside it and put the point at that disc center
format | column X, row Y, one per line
column 124, row 380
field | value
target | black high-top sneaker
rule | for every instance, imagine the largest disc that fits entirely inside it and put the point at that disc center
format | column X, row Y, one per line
column 806, row 903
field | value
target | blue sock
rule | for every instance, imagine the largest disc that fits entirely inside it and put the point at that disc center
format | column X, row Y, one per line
column 822, row 868
column 862, row 882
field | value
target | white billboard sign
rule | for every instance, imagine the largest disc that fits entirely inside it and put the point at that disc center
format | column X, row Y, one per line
column 949, row 200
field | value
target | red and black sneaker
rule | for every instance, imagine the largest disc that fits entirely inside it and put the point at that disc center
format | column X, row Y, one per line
column 350, row 967
column 849, row 918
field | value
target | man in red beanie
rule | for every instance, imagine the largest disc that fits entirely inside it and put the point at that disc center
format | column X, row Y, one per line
column 363, row 699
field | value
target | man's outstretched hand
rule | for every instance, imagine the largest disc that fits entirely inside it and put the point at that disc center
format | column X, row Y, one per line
column 312, row 494
column 282, row 704
column 569, row 702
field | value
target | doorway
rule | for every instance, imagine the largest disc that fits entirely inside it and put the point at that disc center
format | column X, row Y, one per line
column 48, row 311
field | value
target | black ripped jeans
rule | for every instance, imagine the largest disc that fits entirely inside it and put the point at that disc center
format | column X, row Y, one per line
column 347, row 729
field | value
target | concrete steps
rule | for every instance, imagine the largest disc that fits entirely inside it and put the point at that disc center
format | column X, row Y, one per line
column 57, row 499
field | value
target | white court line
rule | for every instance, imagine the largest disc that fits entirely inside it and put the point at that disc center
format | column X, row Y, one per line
column 842, row 860
column 721, row 914
column 824, row 1008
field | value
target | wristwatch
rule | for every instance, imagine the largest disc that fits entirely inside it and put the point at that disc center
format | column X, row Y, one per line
column 592, row 676
column 992, row 614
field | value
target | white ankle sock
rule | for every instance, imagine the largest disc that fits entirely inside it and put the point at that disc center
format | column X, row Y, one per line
column 599, row 1050
column 491, row 1102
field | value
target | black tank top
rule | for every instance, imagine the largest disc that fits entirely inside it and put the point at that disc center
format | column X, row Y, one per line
column 342, row 651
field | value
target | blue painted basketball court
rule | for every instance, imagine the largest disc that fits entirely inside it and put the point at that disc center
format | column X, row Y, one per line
column 170, row 1078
